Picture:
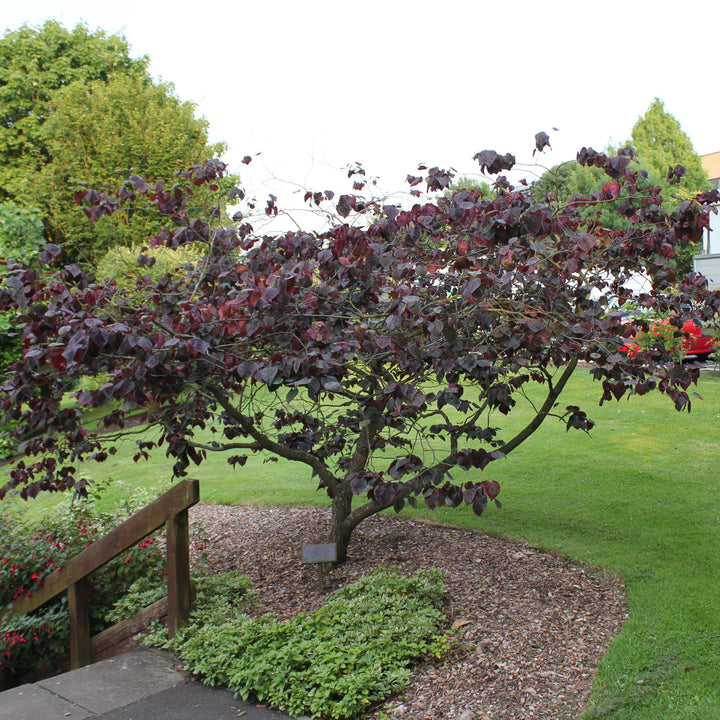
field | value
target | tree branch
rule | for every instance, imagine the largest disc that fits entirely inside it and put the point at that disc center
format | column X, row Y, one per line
column 552, row 396
column 328, row 480
column 220, row 447
column 370, row 508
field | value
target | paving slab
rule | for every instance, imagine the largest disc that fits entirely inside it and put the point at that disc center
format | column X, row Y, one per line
column 140, row 685
column 30, row 702
column 192, row 701
column 117, row 682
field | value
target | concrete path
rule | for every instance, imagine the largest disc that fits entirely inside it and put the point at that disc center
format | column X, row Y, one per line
column 140, row 685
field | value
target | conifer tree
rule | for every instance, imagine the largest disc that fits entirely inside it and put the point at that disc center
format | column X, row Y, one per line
column 661, row 143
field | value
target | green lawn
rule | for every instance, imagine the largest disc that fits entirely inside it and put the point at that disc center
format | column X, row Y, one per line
column 639, row 497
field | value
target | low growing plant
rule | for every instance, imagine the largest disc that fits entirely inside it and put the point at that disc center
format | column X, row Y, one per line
column 141, row 593
column 335, row 662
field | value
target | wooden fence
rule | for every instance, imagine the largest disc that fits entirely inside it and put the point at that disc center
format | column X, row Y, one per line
column 171, row 510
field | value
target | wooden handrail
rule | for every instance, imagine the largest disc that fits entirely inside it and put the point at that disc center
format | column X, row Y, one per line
column 170, row 510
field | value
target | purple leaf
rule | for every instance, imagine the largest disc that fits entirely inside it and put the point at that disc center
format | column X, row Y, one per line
column 479, row 504
column 358, row 484
column 542, row 140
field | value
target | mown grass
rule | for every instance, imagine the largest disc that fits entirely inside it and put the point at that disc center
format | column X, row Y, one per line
column 640, row 498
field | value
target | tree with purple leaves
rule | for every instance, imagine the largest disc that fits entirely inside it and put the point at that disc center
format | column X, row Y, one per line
column 378, row 352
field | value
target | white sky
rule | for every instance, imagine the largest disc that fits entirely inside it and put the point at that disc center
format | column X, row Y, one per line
column 319, row 84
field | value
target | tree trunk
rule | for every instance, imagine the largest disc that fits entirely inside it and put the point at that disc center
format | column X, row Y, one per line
column 344, row 521
column 340, row 529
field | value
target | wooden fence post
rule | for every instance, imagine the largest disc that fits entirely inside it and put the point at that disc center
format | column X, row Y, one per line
column 79, row 613
column 178, row 571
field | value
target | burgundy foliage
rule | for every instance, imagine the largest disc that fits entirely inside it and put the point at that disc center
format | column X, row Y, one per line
column 378, row 352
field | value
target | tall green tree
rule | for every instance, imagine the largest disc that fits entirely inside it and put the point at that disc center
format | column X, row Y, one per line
column 34, row 65
column 99, row 133
column 74, row 107
column 658, row 143
column 661, row 143
column 567, row 179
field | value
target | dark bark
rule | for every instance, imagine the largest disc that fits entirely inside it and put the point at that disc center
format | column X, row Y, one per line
column 340, row 529
column 344, row 519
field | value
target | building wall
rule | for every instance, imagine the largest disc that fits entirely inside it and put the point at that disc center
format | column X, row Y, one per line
column 711, row 163
column 709, row 266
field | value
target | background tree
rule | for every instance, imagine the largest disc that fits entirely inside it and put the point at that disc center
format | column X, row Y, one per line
column 74, row 106
column 470, row 183
column 378, row 354
column 22, row 239
column 101, row 132
column 659, row 145
column 34, row 64
column 570, row 178
column 564, row 181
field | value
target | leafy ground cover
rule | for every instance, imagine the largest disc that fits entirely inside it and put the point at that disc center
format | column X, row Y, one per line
column 639, row 497
column 354, row 651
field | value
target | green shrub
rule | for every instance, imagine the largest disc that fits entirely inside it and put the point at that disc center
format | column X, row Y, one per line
column 22, row 233
column 661, row 333
column 10, row 344
column 121, row 264
column 8, row 444
column 335, row 662
column 714, row 328
column 142, row 592
column 219, row 599
column 21, row 240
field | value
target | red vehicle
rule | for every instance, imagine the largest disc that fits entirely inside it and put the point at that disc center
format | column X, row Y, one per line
column 699, row 342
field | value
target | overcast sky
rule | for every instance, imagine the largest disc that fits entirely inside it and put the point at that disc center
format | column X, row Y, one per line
column 316, row 85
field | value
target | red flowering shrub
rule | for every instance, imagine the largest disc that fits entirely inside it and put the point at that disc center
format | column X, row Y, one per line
column 29, row 642
column 35, row 641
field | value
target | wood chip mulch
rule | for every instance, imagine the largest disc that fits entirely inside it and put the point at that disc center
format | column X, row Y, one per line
column 530, row 626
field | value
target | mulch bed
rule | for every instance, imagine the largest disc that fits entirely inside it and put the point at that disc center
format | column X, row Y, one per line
column 530, row 626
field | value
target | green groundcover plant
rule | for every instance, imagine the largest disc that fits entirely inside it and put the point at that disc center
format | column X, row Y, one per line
column 355, row 651
column 31, row 551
